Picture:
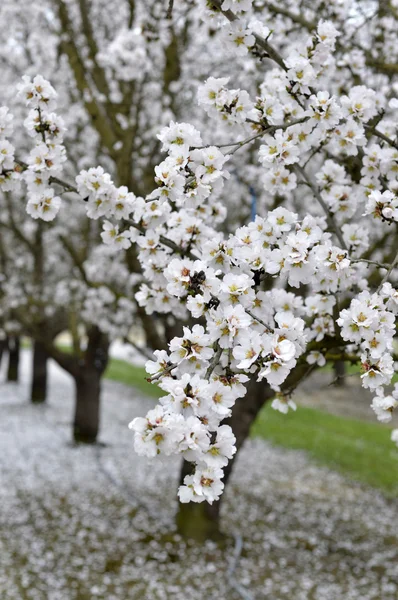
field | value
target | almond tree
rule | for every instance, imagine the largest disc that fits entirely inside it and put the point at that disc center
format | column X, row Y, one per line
column 310, row 279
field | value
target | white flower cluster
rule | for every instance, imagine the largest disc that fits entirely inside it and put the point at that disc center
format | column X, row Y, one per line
column 322, row 120
column 235, row 106
column 369, row 323
column 316, row 118
column 9, row 175
column 48, row 155
column 239, row 37
column 186, row 179
column 383, row 205
column 336, row 189
column 383, row 405
column 104, row 199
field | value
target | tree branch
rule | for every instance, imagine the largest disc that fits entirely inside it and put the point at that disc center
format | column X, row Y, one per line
column 381, row 135
column 329, row 217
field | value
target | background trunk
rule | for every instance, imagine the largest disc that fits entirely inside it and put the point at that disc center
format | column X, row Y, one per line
column 201, row 521
column 3, row 348
column 13, row 344
column 339, row 373
column 38, row 390
column 87, row 408
column 88, row 387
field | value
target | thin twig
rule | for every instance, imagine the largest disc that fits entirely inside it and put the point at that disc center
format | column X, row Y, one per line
column 381, row 135
column 213, row 363
column 371, row 262
column 247, row 140
column 315, row 190
column 290, row 391
column 161, row 373
column 67, row 186
column 142, row 350
column 339, row 378
column 267, row 327
column 164, row 240
column 387, row 275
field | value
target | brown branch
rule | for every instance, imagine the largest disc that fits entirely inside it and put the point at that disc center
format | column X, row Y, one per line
column 381, row 135
column 387, row 275
column 268, row 130
column 76, row 259
column 95, row 110
column 214, row 362
column 67, row 186
column 169, row 14
column 371, row 262
column 98, row 73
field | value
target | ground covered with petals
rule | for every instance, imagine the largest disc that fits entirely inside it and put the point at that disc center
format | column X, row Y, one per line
column 98, row 522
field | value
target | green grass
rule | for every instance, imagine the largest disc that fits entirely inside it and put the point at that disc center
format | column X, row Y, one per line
column 124, row 372
column 359, row 449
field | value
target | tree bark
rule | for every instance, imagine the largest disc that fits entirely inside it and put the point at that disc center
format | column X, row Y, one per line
column 339, row 373
column 201, row 521
column 13, row 358
column 38, row 390
column 3, row 348
column 88, row 387
column 87, row 408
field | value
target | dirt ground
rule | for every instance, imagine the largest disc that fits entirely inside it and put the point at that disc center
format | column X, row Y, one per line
column 98, row 523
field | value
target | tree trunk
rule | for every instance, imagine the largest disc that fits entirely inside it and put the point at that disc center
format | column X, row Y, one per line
column 201, row 521
column 3, row 348
column 38, row 390
column 87, row 407
column 13, row 358
column 88, row 387
column 339, row 373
